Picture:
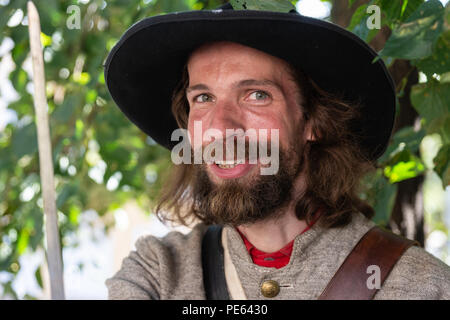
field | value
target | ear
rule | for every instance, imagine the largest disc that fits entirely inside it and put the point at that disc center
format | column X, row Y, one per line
column 307, row 133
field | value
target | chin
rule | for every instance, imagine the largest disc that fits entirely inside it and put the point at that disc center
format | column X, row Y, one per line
column 247, row 178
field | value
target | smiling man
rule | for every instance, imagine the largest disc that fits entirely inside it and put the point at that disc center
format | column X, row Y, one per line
column 232, row 86
column 295, row 94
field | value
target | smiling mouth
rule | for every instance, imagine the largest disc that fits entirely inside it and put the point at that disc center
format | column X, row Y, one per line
column 230, row 169
column 228, row 164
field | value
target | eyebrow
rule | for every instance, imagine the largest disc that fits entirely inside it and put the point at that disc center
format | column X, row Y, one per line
column 240, row 84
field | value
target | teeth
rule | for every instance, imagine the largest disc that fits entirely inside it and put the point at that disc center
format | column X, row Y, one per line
column 229, row 164
column 226, row 166
column 225, row 162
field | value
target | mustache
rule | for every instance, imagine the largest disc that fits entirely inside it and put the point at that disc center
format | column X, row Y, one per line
column 237, row 203
column 249, row 150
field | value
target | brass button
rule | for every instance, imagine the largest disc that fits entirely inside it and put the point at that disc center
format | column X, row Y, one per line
column 270, row 288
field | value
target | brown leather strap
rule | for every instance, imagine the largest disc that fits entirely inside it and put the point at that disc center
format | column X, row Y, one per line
column 377, row 247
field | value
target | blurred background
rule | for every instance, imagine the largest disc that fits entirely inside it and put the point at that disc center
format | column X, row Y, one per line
column 108, row 173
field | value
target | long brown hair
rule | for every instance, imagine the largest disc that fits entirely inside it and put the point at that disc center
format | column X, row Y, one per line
column 334, row 163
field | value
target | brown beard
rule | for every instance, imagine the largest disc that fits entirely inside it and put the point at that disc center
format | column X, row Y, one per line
column 238, row 202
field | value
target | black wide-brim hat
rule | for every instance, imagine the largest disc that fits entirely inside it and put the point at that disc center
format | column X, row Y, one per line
column 146, row 64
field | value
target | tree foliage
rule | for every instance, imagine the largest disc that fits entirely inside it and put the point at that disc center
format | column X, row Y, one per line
column 420, row 34
column 101, row 160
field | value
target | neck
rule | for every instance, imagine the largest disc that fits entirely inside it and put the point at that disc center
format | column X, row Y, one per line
column 273, row 234
column 282, row 231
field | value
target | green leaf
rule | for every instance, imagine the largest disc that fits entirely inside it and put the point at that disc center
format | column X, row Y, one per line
column 404, row 170
column 359, row 14
column 405, row 138
column 415, row 38
column 67, row 191
column 37, row 233
column 19, row 78
column 63, row 112
column 174, row 5
column 9, row 290
column 431, row 100
column 83, row 78
column 447, row 15
column 445, row 78
column 391, row 9
column 74, row 215
column 24, row 140
column 37, row 276
column 22, row 241
column 363, row 32
column 445, row 129
column 79, row 129
column 23, row 106
column 45, row 40
column 361, row 29
column 409, row 7
column 442, row 164
column 384, row 201
column 6, row 160
column 427, row 9
column 441, row 126
column 4, row 18
column 379, row 194
column 439, row 61
column 264, row 5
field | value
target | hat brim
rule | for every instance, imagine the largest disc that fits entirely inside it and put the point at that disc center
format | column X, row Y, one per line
column 144, row 67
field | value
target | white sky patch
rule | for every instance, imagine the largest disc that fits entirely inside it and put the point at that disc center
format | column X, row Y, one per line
column 16, row 18
column 121, row 219
column 314, row 8
column 27, row 194
column 320, row 9
column 6, row 46
column 7, row 92
column 114, row 181
column 64, row 163
column 97, row 172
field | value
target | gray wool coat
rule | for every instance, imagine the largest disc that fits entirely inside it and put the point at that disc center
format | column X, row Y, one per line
column 170, row 267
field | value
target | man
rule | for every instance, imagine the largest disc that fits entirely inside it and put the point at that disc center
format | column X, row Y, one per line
column 306, row 91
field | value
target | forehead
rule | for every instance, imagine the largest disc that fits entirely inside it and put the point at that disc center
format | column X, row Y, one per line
column 230, row 59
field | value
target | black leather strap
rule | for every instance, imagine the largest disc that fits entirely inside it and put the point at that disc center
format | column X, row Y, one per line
column 213, row 265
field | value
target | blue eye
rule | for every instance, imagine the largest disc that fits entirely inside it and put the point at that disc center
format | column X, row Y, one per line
column 259, row 95
column 203, row 98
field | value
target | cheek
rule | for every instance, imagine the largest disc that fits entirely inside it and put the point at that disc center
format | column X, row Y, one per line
column 193, row 119
column 283, row 115
column 293, row 124
column 190, row 127
column 195, row 115
column 272, row 121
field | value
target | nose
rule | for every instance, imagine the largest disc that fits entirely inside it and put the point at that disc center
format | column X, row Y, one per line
column 225, row 115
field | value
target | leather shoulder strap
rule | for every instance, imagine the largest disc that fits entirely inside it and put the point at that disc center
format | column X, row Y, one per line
column 376, row 248
column 213, row 265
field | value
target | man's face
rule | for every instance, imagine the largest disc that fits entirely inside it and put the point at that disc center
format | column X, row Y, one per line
column 232, row 86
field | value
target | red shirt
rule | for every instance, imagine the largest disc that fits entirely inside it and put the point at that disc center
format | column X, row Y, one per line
column 276, row 259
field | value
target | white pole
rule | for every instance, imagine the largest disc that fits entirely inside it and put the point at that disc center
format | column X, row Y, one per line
column 54, row 260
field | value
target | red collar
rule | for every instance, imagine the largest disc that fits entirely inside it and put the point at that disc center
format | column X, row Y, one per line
column 276, row 259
